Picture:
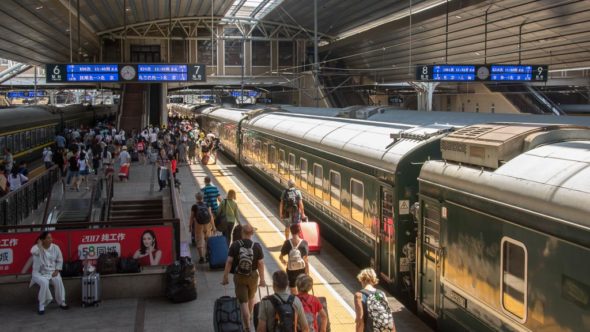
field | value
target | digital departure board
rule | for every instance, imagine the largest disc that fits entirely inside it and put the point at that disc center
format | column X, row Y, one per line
column 25, row 94
column 135, row 72
column 470, row 73
column 63, row 73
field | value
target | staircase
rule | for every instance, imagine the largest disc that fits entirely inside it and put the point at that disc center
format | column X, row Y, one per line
column 133, row 108
column 133, row 210
column 527, row 99
column 74, row 211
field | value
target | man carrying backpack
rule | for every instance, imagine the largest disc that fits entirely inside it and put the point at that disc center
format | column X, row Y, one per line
column 291, row 207
column 201, row 224
column 245, row 261
column 281, row 311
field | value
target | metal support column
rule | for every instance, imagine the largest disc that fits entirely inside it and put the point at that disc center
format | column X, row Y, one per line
column 425, row 92
column 164, row 105
column 316, row 63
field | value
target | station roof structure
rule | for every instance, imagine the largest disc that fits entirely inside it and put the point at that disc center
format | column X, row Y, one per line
column 373, row 36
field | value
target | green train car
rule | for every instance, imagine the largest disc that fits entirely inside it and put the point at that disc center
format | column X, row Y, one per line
column 504, row 230
column 357, row 178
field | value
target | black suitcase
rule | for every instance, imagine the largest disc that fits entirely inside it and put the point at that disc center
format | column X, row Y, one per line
column 227, row 316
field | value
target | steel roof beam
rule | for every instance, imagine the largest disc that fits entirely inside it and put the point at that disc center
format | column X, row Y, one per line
column 290, row 31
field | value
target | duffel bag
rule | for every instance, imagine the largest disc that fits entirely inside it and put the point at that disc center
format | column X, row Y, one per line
column 129, row 265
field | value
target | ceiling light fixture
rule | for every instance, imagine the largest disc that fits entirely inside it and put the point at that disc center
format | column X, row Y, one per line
column 391, row 18
column 39, row 7
column 457, row 16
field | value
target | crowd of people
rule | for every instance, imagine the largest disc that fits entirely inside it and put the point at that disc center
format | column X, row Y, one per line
column 85, row 151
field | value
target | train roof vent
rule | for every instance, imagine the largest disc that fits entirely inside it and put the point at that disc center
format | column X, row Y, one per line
column 422, row 133
column 490, row 145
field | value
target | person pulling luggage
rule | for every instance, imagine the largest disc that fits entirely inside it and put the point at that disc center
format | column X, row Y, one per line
column 228, row 215
column 246, row 262
column 291, row 208
column 315, row 313
column 281, row 311
column 201, row 224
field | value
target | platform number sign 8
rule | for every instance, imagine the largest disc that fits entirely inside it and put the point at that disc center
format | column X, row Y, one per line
column 423, row 73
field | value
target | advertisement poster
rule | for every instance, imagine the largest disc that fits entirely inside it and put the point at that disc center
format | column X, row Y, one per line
column 151, row 245
column 15, row 250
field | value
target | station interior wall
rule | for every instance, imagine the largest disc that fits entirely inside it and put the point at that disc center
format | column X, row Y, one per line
column 476, row 98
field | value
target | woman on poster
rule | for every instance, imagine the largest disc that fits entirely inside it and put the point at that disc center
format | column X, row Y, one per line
column 148, row 252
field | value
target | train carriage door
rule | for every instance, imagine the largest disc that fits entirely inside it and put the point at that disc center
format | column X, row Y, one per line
column 430, row 251
column 387, row 236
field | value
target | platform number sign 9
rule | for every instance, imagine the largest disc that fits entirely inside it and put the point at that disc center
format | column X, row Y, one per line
column 540, row 73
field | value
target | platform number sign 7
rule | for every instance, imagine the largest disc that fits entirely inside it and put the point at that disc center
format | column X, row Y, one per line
column 197, row 73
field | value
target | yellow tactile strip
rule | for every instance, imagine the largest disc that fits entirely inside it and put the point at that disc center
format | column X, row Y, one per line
column 341, row 315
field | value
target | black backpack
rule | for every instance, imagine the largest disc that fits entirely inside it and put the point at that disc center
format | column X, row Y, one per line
column 202, row 214
column 290, row 199
column 285, row 313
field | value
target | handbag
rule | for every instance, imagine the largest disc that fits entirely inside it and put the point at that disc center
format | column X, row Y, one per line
column 129, row 265
column 107, row 263
column 221, row 218
column 72, row 269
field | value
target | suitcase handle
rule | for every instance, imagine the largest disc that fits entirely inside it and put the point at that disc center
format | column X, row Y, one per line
column 260, row 294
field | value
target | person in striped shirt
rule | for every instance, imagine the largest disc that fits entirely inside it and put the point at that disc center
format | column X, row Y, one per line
column 211, row 195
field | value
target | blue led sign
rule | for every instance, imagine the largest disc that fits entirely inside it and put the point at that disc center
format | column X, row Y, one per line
column 108, row 72
column 93, row 77
column 94, row 68
column 493, row 72
column 154, row 68
column 161, row 77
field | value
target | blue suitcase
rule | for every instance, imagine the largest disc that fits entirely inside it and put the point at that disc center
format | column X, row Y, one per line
column 217, row 251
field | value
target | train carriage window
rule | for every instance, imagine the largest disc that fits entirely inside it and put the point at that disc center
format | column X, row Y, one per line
column 514, row 278
column 264, row 154
column 335, row 187
column 257, row 150
column 318, row 180
column 28, row 140
column 272, row 153
column 282, row 162
column 9, row 143
column 357, row 202
column 291, row 166
column 303, row 173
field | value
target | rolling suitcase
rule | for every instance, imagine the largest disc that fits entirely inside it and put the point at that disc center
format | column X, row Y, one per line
column 217, row 251
column 310, row 232
column 91, row 291
column 205, row 159
column 324, row 303
column 257, row 306
column 227, row 316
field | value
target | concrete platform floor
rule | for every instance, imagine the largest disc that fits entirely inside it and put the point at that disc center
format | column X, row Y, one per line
column 337, row 280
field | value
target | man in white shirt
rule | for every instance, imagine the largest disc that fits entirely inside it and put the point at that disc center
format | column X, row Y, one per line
column 48, row 157
column 47, row 263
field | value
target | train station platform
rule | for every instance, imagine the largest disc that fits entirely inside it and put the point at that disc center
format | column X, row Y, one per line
column 334, row 275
